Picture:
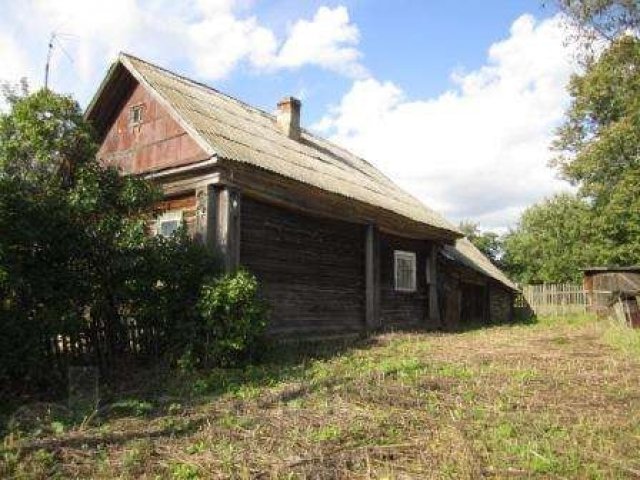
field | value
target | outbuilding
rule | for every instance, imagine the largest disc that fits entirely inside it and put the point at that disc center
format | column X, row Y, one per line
column 602, row 284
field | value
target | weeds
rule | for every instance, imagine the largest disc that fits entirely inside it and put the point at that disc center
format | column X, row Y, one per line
column 556, row 398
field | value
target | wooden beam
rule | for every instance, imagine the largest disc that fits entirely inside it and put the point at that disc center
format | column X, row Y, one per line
column 432, row 278
column 228, row 226
column 372, row 277
column 206, row 216
column 218, row 222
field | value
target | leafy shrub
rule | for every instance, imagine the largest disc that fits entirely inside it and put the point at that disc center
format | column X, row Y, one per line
column 77, row 263
column 232, row 320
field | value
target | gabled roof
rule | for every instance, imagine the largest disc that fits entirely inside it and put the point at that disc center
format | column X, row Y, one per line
column 230, row 129
column 466, row 253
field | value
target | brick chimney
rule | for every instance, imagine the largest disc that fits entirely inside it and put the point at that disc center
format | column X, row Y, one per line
column 289, row 117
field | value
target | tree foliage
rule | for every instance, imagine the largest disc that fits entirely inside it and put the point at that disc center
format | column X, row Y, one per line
column 599, row 148
column 75, row 254
column 602, row 19
column 489, row 243
column 551, row 241
column 598, row 151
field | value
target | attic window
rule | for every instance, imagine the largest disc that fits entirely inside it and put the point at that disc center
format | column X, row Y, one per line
column 135, row 115
column 405, row 271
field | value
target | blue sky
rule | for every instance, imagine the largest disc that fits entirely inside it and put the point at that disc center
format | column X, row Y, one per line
column 456, row 101
column 415, row 43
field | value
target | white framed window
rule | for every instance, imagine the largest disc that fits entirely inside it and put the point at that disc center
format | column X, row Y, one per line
column 168, row 223
column 135, row 115
column 405, row 271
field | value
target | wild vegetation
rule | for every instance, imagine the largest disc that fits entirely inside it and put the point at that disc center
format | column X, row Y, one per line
column 557, row 398
column 77, row 260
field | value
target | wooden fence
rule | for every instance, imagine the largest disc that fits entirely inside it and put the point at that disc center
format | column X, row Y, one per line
column 101, row 346
column 555, row 299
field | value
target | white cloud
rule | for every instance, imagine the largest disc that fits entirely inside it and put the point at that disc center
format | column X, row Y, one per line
column 14, row 63
column 221, row 41
column 210, row 37
column 329, row 40
column 480, row 150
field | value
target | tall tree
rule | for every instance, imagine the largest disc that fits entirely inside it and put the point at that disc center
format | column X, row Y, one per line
column 599, row 148
column 551, row 242
column 69, row 226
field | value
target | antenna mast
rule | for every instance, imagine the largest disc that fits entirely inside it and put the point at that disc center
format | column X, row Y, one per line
column 46, row 68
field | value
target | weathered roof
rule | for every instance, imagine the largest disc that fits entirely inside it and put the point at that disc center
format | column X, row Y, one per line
column 228, row 128
column 466, row 253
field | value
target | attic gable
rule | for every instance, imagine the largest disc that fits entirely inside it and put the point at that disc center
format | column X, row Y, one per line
column 143, row 136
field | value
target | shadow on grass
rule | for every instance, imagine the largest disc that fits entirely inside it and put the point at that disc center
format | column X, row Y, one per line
column 154, row 390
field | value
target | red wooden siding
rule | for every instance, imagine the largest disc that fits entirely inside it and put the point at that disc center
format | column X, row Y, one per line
column 159, row 142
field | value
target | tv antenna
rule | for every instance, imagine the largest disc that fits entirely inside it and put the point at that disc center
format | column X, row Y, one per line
column 54, row 42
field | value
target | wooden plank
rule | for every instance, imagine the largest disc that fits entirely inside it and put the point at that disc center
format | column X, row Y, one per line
column 372, row 274
column 432, row 266
column 311, row 269
column 228, row 226
column 206, row 216
column 281, row 191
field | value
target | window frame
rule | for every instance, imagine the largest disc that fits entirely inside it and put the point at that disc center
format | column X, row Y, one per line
column 168, row 216
column 405, row 255
column 136, row 108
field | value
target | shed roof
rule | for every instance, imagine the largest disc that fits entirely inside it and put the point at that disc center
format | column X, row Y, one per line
column 466, row 253
column 228, row 128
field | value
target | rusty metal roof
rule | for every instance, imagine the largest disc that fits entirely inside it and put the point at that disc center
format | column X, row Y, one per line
column 233, row 130
column 466, row 253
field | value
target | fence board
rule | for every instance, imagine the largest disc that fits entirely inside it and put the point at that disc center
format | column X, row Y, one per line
column 555, row 299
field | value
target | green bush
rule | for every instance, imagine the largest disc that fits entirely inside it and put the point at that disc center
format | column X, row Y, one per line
column 77, row 263
column 232, row 320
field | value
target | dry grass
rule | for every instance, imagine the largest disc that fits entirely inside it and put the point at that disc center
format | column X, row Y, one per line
column 554, row 399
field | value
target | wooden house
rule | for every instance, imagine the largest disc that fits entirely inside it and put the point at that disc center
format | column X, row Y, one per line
column 337, row 246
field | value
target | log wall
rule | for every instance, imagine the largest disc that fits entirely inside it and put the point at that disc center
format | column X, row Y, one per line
column 311, row 269
column 403, row 309
column 500, row 304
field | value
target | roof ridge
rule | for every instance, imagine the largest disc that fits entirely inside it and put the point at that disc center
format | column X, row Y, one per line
column 199, row 84
column 195, row 103
column 244, row 104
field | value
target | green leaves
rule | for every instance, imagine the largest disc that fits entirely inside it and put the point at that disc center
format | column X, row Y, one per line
column 489, row 243
column 45, row 139
column 233, row 316
column 599, row 150
column 552, row 241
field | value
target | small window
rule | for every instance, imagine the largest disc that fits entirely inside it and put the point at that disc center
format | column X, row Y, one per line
column 168, row 223
column 405, row 271
column 135, row 117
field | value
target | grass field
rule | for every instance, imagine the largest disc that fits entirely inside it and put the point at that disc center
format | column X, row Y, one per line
column 555, row 399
